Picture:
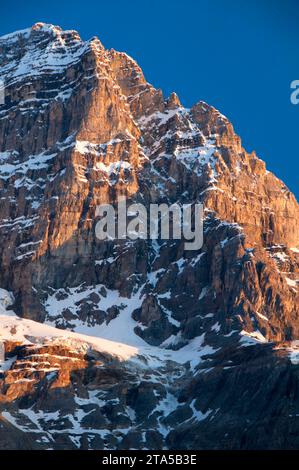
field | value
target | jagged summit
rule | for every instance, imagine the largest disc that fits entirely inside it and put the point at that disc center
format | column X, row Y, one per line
column 38, row 27
column 173, row 101
column 42, row 49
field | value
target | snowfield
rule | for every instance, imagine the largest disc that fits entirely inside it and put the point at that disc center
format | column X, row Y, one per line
column 117, row 339
column 14, row 328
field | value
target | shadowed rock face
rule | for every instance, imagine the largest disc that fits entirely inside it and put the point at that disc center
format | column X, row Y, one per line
column 81, row 126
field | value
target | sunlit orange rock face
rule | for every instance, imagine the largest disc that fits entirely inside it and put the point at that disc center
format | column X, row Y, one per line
column 80, row 127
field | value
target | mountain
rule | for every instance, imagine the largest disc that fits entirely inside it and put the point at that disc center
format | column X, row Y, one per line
column 136, row 343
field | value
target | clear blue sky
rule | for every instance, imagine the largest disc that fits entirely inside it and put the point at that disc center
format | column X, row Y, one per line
column 239, row 56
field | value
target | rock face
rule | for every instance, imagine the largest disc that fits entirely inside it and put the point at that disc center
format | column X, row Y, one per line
column 81, row 127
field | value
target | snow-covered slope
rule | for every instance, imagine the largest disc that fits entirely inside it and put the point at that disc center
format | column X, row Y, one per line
column 117, row 339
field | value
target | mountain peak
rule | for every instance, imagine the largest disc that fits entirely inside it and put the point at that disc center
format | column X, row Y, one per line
column 55, row 30
column 80, row 126
column 40, row 26
column 43, row 48
column 173, row 101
